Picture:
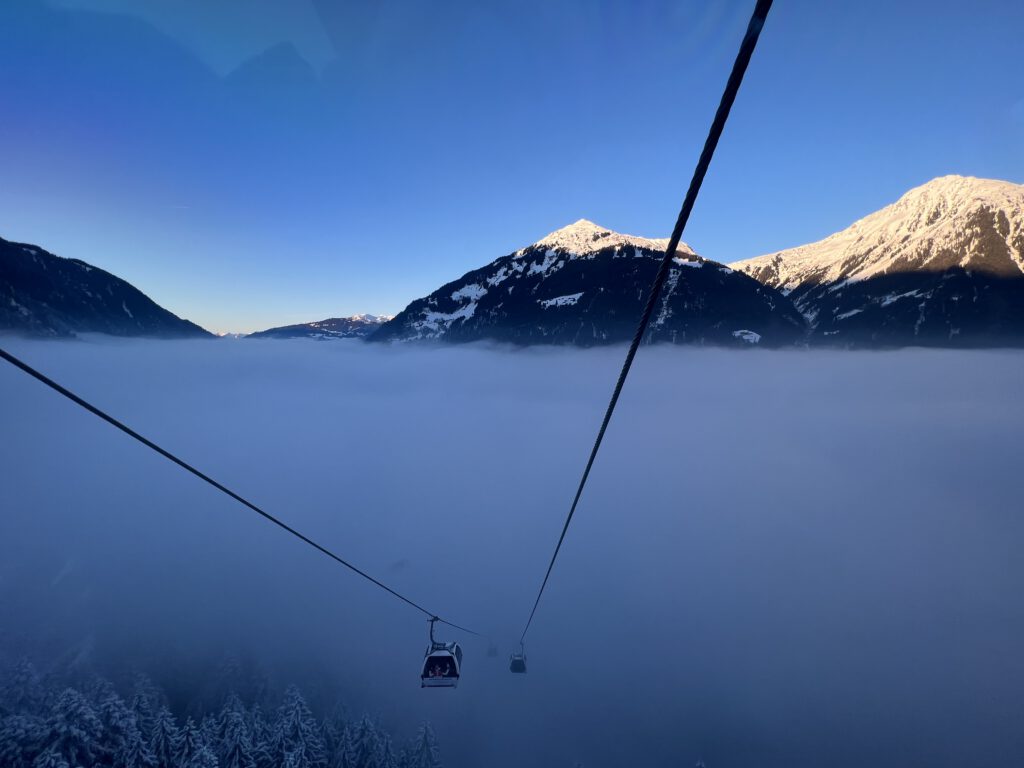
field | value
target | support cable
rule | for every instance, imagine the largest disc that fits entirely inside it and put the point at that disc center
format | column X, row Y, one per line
column 223, row 489
column 728, row 97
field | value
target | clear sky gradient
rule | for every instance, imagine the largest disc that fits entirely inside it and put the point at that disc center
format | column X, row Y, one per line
column 250, row 163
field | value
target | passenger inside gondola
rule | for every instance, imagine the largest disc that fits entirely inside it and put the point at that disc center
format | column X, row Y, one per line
column 441, row 668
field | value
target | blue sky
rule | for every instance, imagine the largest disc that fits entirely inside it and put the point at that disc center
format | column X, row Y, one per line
column 250, row 163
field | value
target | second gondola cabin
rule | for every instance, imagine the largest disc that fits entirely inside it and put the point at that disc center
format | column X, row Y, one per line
column 442, row 666
column 517, row 663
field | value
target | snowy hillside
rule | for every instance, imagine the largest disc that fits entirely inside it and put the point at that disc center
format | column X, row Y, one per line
column 585, row 285
column 46, row 295
column 943, row 264
column 356, row 326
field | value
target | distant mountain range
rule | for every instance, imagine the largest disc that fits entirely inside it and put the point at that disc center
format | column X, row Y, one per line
column 46, row 295
column 356, row 326
column 942, row 266
column 584, row 285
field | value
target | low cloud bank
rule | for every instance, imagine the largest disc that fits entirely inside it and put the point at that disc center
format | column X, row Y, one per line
column 788, row 558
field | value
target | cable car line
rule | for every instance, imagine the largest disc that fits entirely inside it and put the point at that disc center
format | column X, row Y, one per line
column 223, row 489
column 442, row 664
column 718, row 124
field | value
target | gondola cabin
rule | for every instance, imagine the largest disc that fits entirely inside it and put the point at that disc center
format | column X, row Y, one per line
column 442, row 666
column 517, row 663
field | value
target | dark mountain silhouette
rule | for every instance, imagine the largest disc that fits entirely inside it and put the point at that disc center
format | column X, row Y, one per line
column 46, row 295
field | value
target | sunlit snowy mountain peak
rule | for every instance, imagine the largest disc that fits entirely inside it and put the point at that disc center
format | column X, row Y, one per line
column 583, row 237
column 944, row 262
column 584, row 285
column 948, row 222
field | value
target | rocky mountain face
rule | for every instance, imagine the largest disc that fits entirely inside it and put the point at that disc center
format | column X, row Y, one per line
column 46, row 295
column 356, row 326
column 943, row 265
column 585, row 285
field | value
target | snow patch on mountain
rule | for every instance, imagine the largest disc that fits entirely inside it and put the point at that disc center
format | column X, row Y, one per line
column 437, row 321
column 542, row 267
column 561, row 301
column 473, row 292
column 892, row 298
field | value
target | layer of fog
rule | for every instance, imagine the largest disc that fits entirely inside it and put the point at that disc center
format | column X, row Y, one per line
column 782, row 558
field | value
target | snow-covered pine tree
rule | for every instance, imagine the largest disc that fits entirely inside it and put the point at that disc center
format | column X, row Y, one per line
column 192, row 749
column 21, row 739
column 385, row 753
column 270, row 752
column 330, row 735
column 343, row 752
column 259, row 728
column 234, row 702
column 204, row 758
column 334, row 726
column 267, row 751
column 117, row 721
column 135, row 752
column 210, row 728
column 424, row 752
column 21, row 690
column 73, row 730
column 189, row 740
column 146, row 701
column 165, row 736
column 235, row 747
column 365, row 751
column 51, row 758
column 300, row 732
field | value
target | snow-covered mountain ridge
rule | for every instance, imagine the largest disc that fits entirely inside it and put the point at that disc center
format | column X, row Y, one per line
column 944, row 263
column 585, row 284
column 948, row 222
column 356, row 326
